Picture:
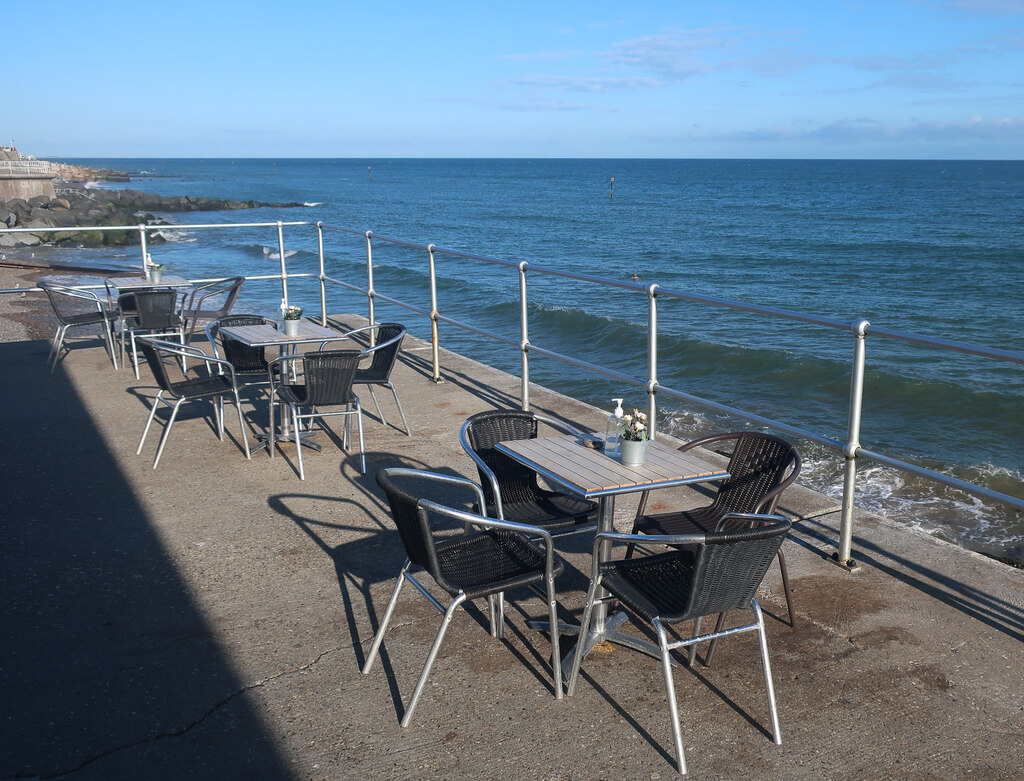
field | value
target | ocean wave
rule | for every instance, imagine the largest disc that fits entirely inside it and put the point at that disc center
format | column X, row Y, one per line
column 906, row 499
column 313, row 203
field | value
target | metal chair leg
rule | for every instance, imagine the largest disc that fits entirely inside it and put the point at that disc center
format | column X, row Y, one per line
column 405, row 423
column 362, row 446
column 785, row 587
column 670, row 693
column 445, row 623
column 577, row 659
column 149, row 421
column 376, row 404
column 556, row 651
column 766, row 665
column 241, row 424
column 298, row 440
column 379, row 637
column 167, row 432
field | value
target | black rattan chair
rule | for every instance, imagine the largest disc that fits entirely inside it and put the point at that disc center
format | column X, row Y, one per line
column 210, row 302
column 491, row 558
column 327, row 377
column 150, row 313
column 761, row 467
column 77, row 309
column 511, row 489
column 210, row 384
column 250, row 363
column 387, row 342
column 716, row 572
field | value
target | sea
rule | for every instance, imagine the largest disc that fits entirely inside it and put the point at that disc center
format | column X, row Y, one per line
column 934, row 247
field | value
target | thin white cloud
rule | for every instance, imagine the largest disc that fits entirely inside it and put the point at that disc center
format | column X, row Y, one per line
column 555, row 56
column 589, row 84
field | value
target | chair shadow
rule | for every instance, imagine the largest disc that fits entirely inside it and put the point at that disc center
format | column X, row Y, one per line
column 376, row 557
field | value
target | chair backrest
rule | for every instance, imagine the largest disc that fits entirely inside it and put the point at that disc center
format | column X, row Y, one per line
column 67, row 302
column 154, row 309
column 413, row 526
column 730, row 566
column 328, row 376
column 487, row 429
column 155, row 357
column 760, row 464
column 243, row 357
column 383, row 356
column 214, row 299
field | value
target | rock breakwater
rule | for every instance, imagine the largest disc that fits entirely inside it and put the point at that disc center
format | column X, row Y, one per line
column 86, row 208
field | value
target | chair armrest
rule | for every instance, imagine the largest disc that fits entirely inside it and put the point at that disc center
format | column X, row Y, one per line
column 483, row 521
column 188, row 351
column 484, row 469
column 278, row 364
column 439, row 478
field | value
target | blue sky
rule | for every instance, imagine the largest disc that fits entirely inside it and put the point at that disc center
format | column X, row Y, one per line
column 893, row 79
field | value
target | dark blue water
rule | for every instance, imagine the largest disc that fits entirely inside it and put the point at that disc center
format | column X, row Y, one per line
column 935, row 247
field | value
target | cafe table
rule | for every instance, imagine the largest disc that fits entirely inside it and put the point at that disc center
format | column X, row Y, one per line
column 268, row 335
column 565, row 462
column 127, row 283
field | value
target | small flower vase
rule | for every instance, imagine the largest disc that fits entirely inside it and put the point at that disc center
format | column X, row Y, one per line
column 633, row 452
column 291, row 327
column 156, row 274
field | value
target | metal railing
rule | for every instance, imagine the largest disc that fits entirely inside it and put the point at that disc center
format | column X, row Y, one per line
column 852, row 449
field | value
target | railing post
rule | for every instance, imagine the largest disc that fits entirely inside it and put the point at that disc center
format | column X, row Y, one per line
column 145, row 251
column 284, row 271
column 842, row 556
column 524, row 340
column 369, row 277
column 323, row 286
column 652, row 359
column 435, row 342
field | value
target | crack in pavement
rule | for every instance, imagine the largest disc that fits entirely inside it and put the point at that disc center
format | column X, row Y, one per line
column 177, row 732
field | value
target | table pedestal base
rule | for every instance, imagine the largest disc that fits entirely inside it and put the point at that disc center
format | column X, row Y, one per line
column 593, row 639
column 304, row 438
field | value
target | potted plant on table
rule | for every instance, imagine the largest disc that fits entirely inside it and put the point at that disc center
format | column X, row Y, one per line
column 291, row 315
column 156, row 271
column 635, row 435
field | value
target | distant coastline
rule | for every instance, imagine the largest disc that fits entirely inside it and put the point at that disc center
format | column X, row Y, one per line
column 74, row 204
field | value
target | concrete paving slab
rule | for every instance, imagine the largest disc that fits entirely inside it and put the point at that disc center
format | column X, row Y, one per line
column 210, row 618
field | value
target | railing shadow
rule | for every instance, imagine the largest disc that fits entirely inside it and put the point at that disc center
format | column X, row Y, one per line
column 999, row 614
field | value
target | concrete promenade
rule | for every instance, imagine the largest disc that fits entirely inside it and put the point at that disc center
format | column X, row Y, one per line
column 209, row 619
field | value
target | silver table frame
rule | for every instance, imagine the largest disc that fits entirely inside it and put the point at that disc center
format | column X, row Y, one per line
column 588, row 473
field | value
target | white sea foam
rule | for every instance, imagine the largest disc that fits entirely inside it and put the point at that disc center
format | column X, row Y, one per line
column 273, row 254
column 313, row 203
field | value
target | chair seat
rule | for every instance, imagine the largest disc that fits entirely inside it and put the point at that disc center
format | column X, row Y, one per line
column 297, row 395
column 490, row 562
column 89, row 318
column 653, row 586
column 548, row 510
column 215, row 385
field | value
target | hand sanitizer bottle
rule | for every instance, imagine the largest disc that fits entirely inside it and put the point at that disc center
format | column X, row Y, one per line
column 611, row 431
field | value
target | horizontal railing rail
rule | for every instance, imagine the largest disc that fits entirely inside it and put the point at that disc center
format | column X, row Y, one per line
column 851, row 448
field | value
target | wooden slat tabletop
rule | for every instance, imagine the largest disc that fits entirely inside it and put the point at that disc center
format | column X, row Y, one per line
column 168, row 280
column 591, row 473
column 267, row 335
